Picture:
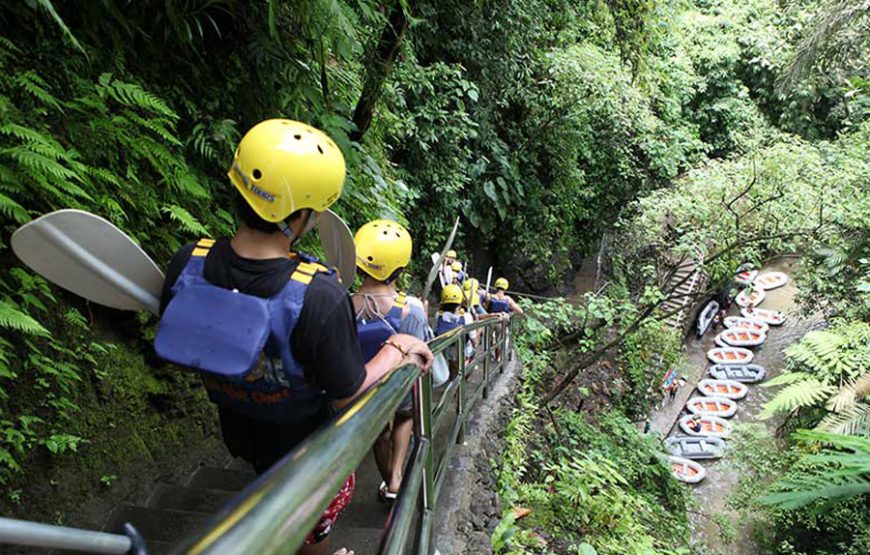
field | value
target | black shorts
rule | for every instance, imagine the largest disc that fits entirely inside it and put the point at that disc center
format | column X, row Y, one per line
column 263, row 443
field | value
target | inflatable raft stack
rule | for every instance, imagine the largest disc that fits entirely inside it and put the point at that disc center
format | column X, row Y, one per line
column 731, row 370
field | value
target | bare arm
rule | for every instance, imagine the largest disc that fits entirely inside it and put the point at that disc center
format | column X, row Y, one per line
column 399, row 350
column 515, row 308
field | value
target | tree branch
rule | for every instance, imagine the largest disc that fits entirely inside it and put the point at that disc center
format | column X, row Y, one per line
column 379, row 68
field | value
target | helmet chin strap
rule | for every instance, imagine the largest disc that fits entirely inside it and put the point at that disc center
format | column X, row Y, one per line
column 310, row 220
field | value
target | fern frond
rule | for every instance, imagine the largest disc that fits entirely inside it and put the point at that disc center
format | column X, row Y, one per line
column 134, row 96
column 787, row 378
column 13, row 210
column 185, row 219
column 32, row 84
column 805, row 393
column 852, row 421
column 12, row 318
column 850, row 393
column 844, row 471
column 48, row 6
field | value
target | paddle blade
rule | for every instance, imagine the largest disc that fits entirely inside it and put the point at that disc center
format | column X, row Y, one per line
column 437, row 263
column 89, row 256
column 338, row 246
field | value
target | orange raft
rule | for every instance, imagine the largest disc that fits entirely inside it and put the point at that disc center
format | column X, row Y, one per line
column 730, row 355
column 687, row 471
column 740, row 338
column 716, row 406
column 723, row 388
column 710, row 426
column 771, row 317
column 749, row 297
column 771, row 280
column 740, row 323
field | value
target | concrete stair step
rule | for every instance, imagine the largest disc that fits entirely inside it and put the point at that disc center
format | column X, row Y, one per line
column 161, row 525
column 226, row 479
column 183, row 498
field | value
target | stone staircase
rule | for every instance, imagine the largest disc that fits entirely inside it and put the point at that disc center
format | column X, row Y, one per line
column 173, row 512
column 688, row 279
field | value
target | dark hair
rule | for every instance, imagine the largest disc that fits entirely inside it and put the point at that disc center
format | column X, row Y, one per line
column 449, row 307
column 251, row 219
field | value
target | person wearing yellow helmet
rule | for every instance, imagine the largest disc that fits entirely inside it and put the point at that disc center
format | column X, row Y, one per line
column 451, row 316
column 457, row 275
column 383, row 250
column 471, row 297
column 500, row 302
column 272, row 332
column 450, row 268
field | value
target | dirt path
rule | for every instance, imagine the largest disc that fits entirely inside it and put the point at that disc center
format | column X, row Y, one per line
column 722, row 478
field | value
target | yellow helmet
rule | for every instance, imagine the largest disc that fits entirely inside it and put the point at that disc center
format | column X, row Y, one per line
column 382, row 247
column 282, row 166
column 450, row 254
column 456, row 266
column 470, row 288
column 502, row 283
column 451, row 294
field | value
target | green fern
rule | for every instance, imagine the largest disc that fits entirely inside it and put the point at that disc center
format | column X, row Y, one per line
column 12, row 318
column 803, row 391
column 134, row 96
column 185, row 219
column 841, row 471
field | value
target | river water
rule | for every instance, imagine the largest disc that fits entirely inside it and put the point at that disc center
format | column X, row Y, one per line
column 722, row 478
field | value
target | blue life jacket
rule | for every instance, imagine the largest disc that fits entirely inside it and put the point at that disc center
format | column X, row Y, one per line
column 448, row 321
column 498, row 305
column 374, row 331
column 241, row 343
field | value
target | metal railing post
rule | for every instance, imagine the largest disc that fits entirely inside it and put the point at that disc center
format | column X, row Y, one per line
column 424, row 435
column 461, row 405
column 487, row 359
column 510, row 334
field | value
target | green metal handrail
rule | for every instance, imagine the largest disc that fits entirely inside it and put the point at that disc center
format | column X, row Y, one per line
column 276, row 512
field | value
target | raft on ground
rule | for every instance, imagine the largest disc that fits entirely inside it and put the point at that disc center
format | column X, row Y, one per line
column 740, row 338
column 696, row 447
column 745, row 373
column 740, row 323
column 730, row 389
column 705, row 318
column 746, row 277
column 771, row 317
column 730, row 355
column 771, row 280
column 750, row 296
column 710, row 426
column 687, row 471
column 717, row 406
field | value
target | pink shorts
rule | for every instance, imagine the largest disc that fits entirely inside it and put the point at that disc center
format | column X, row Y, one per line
column 330, row 515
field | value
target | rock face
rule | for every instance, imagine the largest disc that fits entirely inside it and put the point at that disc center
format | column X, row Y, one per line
column 468, row 507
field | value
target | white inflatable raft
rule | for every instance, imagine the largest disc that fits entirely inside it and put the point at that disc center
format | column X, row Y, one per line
column 730, row 355
column 730, row 389
column 710, row 426
column 740, row 323
column 717, row 406
column 687, row 471
column 770, row 317
column 771, row 280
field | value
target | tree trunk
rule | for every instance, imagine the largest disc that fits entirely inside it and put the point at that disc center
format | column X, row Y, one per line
column 378, row 69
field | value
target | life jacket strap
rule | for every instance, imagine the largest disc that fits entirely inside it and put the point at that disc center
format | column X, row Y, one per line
column 401, row 300
column 306, row 271
column 202, row 247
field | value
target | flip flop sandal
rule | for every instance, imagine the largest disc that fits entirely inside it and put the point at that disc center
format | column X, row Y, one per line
column 385, row 495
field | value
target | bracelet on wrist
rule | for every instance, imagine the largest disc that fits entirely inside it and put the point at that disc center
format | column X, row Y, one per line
column 397, row 347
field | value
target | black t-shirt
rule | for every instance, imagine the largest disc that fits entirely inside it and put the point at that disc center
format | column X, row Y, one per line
column 324, row 340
